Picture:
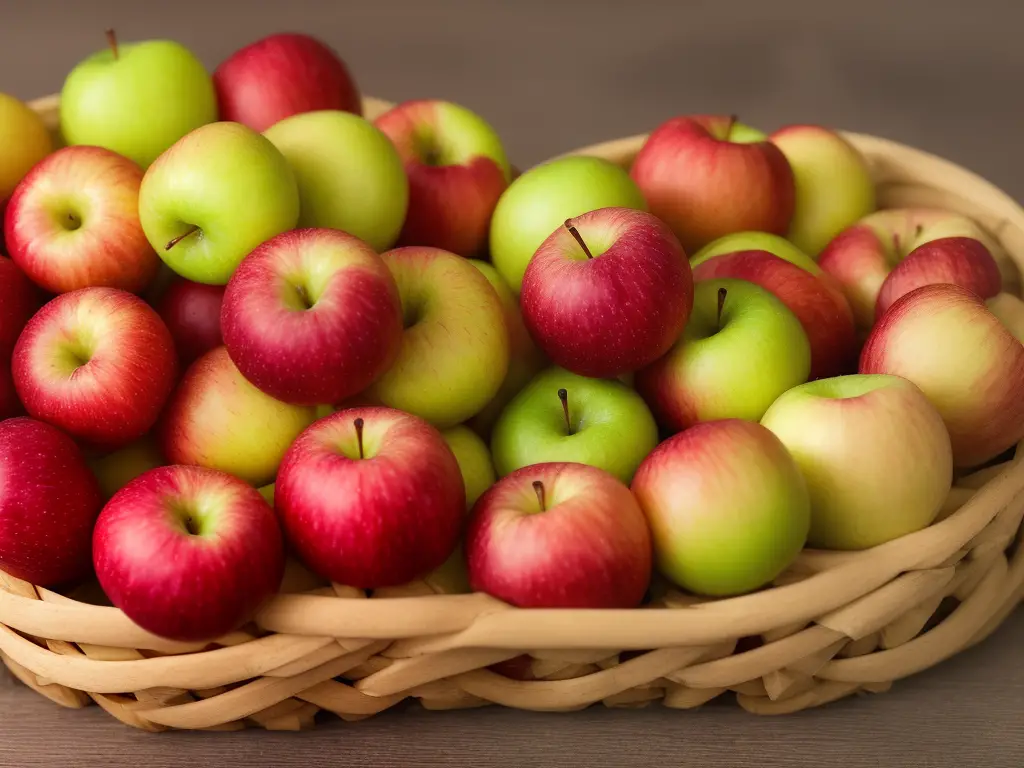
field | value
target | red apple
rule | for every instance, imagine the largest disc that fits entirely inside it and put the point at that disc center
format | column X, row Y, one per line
column 283, row 75
column 457, row 170
column 73, row 222
column 19, row 300
column 98, row 363
column 371, row 497
column 709, row 176
column 821, row 308
column 191, row 312
column 608, row 293
column 312, row 316
column 560, row 535
column 49, row 501
column 188, row 553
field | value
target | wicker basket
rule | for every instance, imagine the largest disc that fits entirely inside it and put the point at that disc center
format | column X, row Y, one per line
column 835, row 624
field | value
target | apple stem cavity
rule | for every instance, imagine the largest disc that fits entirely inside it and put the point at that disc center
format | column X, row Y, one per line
column 722, row 293
column 358, row 423
column 579, row 238
column 191, row 231
column 112, row 42
column 563, row 395
column 538, row 488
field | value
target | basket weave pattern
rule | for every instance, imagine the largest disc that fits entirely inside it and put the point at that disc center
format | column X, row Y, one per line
column 833, row 625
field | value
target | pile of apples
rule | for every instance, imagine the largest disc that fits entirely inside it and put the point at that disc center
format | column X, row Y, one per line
column 240, row 323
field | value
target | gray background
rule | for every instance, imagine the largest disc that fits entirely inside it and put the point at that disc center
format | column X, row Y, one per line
column 942, row 75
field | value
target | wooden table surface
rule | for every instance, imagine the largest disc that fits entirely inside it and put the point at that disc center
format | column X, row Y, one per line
column 944, row 76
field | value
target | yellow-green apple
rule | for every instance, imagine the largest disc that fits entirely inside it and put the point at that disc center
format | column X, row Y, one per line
column 563, row 417
column 116, row 469
column 961, row 261
column 608, row 292
column 1010, row 311
column 19, row 300
column 371, row 497
column 741, row 349
column 213, row 197
column 191, row 312
column 98, row 363
column 708, row 175
column 474, row 461
column 136, row 99
column 542, row 198
column 24, row 141
column 217, row 419
column 834, row 187
column 559, row 535
column 944, row 339
column 49, row 501
column 874, row 453
column 455, row 348
column 350, row 175
column 457, row 170
column 312, row 316
column 283, row 75
column 188, row 553
column 820, row 307
column 73, row 222
column 756, row 241
column 728, row 508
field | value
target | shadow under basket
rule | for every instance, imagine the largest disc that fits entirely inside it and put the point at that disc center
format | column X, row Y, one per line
column 835, row 624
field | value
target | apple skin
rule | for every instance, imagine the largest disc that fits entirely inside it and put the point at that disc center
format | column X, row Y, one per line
column 457, row 170
column 223, row 189
column 756, row 241
column 312, row 316
column 707, row 176
column 377, row 521
column 833, row 182
column 24, row 141
column 588, row 546
column 191, row 312
column 283, row 75
column 612, row 427
column 116, row 469
column 945, row 340
column 49, row 501
column 821, row 308
column 138, row 102
column 616, row 312
column 961, row 261
column 1010, row 311
column 540, row 200
column 474, row 461
column 19, row 300
column 728, row 508
column 98, row 363
column 736, row 372
column 73, row 222
column 874, row 452
column 217, row 419
column 187, row 553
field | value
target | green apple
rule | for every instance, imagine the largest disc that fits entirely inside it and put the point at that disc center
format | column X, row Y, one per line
column 741, row 349
column 136, row 99
column 756, row 241
column 208, row 201
column 24, row 141
column 563, row 417
column 539, row 202
column 349, row 173
column 267, row 492
column 474, row 461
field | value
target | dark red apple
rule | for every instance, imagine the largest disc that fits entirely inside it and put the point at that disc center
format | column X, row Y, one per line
column 191, row 312
column 19, row 300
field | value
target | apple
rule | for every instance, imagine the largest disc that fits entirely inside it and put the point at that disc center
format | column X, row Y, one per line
column 833, row 182
column 73, row 222
column 457, row 170
column 756, row 241
column 49, row 501
column 874, row 452
column 19, row 300
column 474, row 461
column 371, row 497
column 821, row 308
column 24, row 141
column 217, row 419
column 608, row 292
column 10, row 405
column 213, row 197
column 728, row 508
column 98, row 363
column 191, row 312
column 542, row 198
column 945, row 340
column 116, row 469
column 283, row 75
column 136, row 99
column 1010, row 311
column 559, row 535
column 562, row 417
column 961, row 261
column 708, row 175
column 312, row 316
column 455, row 348
column 350, row 176
column 741, row 349
column 187, row 553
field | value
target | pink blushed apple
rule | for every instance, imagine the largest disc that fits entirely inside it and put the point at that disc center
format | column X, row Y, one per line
column 191, row 312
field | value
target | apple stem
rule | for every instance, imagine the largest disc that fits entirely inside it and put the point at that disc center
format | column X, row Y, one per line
column 722, row 293
column 579, row 238
column 538, row 488
column 191, row 231
column 358, row 423
column 563, row 395
column 112, row 42
column 733, row 119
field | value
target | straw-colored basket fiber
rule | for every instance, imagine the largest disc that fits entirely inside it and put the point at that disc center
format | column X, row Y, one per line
column 835, row 624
